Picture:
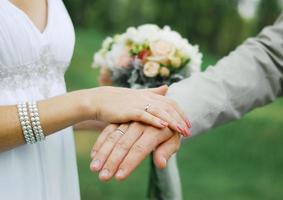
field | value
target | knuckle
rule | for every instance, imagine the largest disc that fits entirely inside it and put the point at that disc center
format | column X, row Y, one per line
column 139, row 148
column 172, row 103
column 110, row 164
column 101, row 155
column 111, row 139
column 122, row 146
column 111, row 127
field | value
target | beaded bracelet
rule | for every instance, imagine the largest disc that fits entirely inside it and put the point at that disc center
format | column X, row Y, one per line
column 25, row 123
column 35, row 121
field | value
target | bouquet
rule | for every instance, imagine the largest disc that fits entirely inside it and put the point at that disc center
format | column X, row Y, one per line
column 146, row 56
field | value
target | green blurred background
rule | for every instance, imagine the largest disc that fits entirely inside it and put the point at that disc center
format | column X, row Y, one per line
column 241, row 160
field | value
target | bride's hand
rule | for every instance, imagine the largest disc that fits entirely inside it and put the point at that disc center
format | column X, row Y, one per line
column 121, row 105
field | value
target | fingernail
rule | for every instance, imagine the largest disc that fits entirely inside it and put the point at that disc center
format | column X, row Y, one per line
column 95, row 164
column 188, row 123
column 181, row 129
column 104, row 174
column 120, row 173
column 163, row 123
column 164, row 161
column 93, row 154
column 188, row 133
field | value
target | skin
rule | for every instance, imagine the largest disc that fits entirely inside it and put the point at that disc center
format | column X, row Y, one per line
column 100, row 104
column 95, row 108
column 116, row 154
column 36, row 10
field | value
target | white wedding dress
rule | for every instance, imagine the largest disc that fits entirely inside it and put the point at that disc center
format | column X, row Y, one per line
column 32, row 67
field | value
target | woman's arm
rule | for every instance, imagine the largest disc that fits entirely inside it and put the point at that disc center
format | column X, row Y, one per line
column 109, row 104
column 55, row 114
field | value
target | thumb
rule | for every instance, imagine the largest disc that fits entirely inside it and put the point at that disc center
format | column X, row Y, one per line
column 162, row 90
column 163, row 153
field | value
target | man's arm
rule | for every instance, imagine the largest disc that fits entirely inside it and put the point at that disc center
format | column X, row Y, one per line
column 249, row 77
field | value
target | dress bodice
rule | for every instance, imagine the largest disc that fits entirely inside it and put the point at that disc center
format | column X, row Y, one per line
column 30, row 58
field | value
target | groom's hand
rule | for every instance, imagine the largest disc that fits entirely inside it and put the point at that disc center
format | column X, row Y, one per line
column 120, row 149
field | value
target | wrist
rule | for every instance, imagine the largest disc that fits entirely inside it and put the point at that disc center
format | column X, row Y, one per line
column 82, row 105
column 88, row 103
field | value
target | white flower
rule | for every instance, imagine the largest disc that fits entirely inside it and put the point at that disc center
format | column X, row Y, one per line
column 151, row 69
column 107, row 42
column 98, row 60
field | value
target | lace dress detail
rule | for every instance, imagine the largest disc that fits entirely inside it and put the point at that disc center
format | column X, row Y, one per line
column 40, row 74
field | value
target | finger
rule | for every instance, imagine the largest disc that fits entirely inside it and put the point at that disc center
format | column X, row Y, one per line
column 146, row 143
column 148, row 118
column 163, row 153
column 171, row 119
column 182, row 126
column 121, row 149
column 162, row 90
column 106, row 148
column 176, row 107
column 101, row 138
column 180, row 112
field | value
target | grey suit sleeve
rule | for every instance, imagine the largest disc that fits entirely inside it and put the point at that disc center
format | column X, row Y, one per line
column 249, row 77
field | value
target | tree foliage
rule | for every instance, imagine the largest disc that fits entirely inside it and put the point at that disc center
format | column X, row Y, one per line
column 215, row 25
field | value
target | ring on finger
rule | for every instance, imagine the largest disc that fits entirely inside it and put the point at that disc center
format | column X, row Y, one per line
column 120, row 131
column 147, row 107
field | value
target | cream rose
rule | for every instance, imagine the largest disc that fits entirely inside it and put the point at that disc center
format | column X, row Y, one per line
column 162, row 49
column 164, row 72
column 151, row 69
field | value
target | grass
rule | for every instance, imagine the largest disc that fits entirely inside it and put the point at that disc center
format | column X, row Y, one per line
column 238, row 161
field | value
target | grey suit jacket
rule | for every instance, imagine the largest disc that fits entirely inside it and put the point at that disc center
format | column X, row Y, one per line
column 249, row 77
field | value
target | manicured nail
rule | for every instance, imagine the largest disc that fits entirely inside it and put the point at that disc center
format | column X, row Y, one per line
column 190, row 133
column 120, row 173
column 93, row 153
column 188, row 123
column 95, row 164
column 187, row 132
column 181, row 130
column 163, row 123
column 104, row 174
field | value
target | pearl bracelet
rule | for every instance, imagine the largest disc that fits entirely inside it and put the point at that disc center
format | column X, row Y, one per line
column 25, row 123
column 35, row 121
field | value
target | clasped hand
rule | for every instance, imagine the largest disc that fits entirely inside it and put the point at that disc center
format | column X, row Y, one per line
column 121, row 148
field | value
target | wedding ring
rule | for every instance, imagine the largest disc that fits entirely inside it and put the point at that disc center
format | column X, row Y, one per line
column 120, row 131
column 147, row 107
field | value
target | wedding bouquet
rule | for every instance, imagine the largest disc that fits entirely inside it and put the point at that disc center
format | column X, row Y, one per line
column 146, row 56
